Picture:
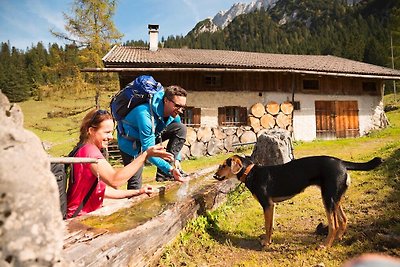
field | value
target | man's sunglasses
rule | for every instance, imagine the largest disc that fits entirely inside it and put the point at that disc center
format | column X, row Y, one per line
column 177, row 106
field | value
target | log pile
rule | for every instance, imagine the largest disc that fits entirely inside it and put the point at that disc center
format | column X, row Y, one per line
column 211, row 141
column 262, row 118
column 271, row 116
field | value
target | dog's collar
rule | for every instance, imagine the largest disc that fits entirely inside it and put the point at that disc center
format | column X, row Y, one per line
column 246, row 172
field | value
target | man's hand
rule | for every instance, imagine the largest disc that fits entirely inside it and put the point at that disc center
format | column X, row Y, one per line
column 159, row 151
column 178, row 176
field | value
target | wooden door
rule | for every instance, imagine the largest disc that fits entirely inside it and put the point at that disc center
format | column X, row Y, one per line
column 325, row 119
column 336, row 119
column 347, row 119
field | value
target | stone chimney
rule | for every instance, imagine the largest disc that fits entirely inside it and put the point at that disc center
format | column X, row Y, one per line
column 153, row 34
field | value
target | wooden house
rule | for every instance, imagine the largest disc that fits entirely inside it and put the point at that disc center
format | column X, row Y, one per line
column 332, row 97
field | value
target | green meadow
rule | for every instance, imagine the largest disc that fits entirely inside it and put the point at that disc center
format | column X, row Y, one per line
column 229, row 236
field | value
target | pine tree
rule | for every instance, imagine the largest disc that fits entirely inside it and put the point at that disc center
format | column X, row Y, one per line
column 395, row 34
column 35, row 60
column 17, row 87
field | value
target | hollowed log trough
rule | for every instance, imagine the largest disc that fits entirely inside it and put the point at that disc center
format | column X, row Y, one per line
column 143, row 244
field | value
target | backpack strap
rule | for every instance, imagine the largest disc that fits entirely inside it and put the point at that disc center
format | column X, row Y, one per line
column 73, row 154
column 124, row 121
column 153, row 127
column 86, row 198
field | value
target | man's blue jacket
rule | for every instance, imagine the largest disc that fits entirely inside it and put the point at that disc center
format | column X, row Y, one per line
column 138, row 126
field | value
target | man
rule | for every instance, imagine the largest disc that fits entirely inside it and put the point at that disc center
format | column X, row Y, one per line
column 149, row 124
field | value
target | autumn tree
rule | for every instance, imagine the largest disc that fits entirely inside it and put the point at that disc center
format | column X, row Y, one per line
column 90, row 28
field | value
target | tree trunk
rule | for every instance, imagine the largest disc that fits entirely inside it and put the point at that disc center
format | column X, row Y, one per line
column 191, row 136
column 257, row 110
column 248, row 136
column 185, row 152
column 287, row 108
column 254, row 122
column 197, row 149
column 283, row 121
column 229, row 141
column 267, row 121
column 204, row 134
column 219, row 134
column 215, row 146
column 272, row 108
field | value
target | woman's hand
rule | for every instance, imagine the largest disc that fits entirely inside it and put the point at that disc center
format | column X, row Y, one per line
column 148, row 189
column 159, row 151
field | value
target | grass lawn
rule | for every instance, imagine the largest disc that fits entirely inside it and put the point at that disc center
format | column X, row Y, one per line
column 229, row 235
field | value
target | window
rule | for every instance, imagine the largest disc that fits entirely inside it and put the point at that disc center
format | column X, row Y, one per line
column 191, row 117
column 310, row 84
column 296, row 105
column 212, row 80
column 369, row 86
column 232, row 116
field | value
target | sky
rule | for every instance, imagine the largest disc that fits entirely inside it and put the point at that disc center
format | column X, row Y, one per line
column 26, row 22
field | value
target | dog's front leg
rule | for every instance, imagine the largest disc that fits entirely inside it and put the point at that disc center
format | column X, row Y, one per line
column 269, row 223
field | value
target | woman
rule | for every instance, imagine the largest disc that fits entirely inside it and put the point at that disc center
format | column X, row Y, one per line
column 95, row 133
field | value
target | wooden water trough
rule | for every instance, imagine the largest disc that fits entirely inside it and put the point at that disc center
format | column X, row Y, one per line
column 142, row 243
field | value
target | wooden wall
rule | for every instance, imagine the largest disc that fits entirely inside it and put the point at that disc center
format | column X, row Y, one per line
column 259, row 81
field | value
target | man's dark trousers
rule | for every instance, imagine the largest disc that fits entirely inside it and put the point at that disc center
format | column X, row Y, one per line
column 175, row 133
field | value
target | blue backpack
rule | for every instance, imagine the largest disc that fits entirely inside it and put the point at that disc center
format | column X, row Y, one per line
column 138, row 92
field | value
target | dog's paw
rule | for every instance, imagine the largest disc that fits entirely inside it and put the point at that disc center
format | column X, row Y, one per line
column 264, row 241
column 322, row 229
column 340, row 236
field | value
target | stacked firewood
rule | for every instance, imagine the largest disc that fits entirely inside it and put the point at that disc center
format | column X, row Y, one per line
column 210, row 141
column 213, row 140
column 271, row 116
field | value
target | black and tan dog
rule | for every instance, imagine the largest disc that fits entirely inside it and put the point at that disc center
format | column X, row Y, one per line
column 271, row 184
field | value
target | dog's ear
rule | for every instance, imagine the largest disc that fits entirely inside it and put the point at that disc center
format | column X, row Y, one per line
column 236, row 165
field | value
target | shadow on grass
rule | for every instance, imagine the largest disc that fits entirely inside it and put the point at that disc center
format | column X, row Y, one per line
column 288, row 240
column 223, row 237
column 377, row 228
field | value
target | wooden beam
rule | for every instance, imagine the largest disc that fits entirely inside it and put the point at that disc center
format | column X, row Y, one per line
column 180, row 69
column 66, row 160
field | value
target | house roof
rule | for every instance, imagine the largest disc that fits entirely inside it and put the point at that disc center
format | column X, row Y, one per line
column 128, row 58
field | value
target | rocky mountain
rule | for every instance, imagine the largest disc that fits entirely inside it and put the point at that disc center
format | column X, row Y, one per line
column 224, row 18
column 357, row 30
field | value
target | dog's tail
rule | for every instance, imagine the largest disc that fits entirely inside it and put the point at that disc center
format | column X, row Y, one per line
column 363, row 166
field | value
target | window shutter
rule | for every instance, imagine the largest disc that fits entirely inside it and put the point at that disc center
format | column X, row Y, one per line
column 196, row 117
column 221, row 116
column 243, row 115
